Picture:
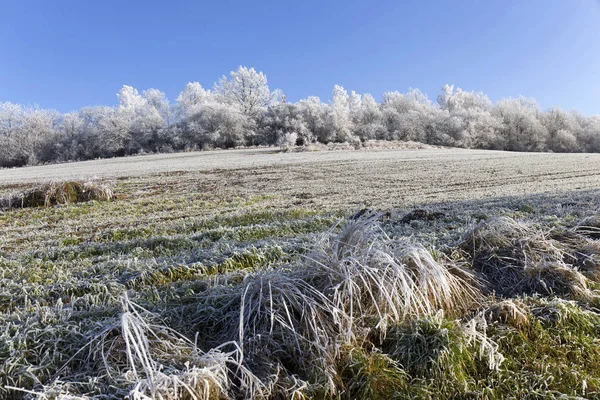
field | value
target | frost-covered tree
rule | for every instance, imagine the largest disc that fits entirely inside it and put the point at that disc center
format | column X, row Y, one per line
column 247, row 89
column 157, row 102
column 226, row 125
column 104, row 132
column 11, row 120
column 131, row 110
column 25, row 134
column 42, row 126
column 562, row 129
column 457, row 99
column 147, row 117
column 159, row 121
column 191, row 98
column 217, row 125
column 588, row 137
column 70, row 132
column 471, row 123
column 315, row 116
column 11, row 142
column 406, row 117
column 340, row 121
column 368, row 119
column 242, row 110
column 481, row 129
column 71, row 125
column 280, row 123
column 520, row 127
column 354, row 102
column 189, row 105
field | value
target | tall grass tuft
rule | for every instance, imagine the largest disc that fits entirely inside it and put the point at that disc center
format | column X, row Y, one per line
column 143, row 359
column 510, row 312
column 375, row 280
column 295, row 320
column 53, row 193
column 590, row 226
column 516, row 258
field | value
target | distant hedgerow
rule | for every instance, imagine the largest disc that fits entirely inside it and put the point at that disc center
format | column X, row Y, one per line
column 242, row 110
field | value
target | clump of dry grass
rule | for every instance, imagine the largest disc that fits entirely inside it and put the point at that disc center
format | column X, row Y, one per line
column 557, row 312
column 587, row 259
column 510, row 312
column 517, row 258
column 590, row 227
column 369, row 275
column 298, row 318
column 53, row 193
column 143, row 359
column 584, row 253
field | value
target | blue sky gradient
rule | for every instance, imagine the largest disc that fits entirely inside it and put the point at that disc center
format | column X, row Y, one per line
column 70, row 54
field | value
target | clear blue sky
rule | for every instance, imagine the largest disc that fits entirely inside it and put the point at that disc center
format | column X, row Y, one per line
column 69, row 54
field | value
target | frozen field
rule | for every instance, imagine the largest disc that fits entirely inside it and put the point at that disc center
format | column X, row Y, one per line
column 384, row 178
column 250, row 274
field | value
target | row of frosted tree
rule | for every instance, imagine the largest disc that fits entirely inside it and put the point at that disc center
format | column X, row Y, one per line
column 241, row 110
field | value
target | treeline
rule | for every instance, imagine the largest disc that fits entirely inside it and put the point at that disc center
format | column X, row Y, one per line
column 242, row 110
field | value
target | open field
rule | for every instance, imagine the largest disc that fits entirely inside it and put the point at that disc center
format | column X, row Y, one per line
column 343, row 178
column 250, row 274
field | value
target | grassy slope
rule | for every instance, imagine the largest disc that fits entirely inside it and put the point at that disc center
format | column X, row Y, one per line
column 64, row 271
